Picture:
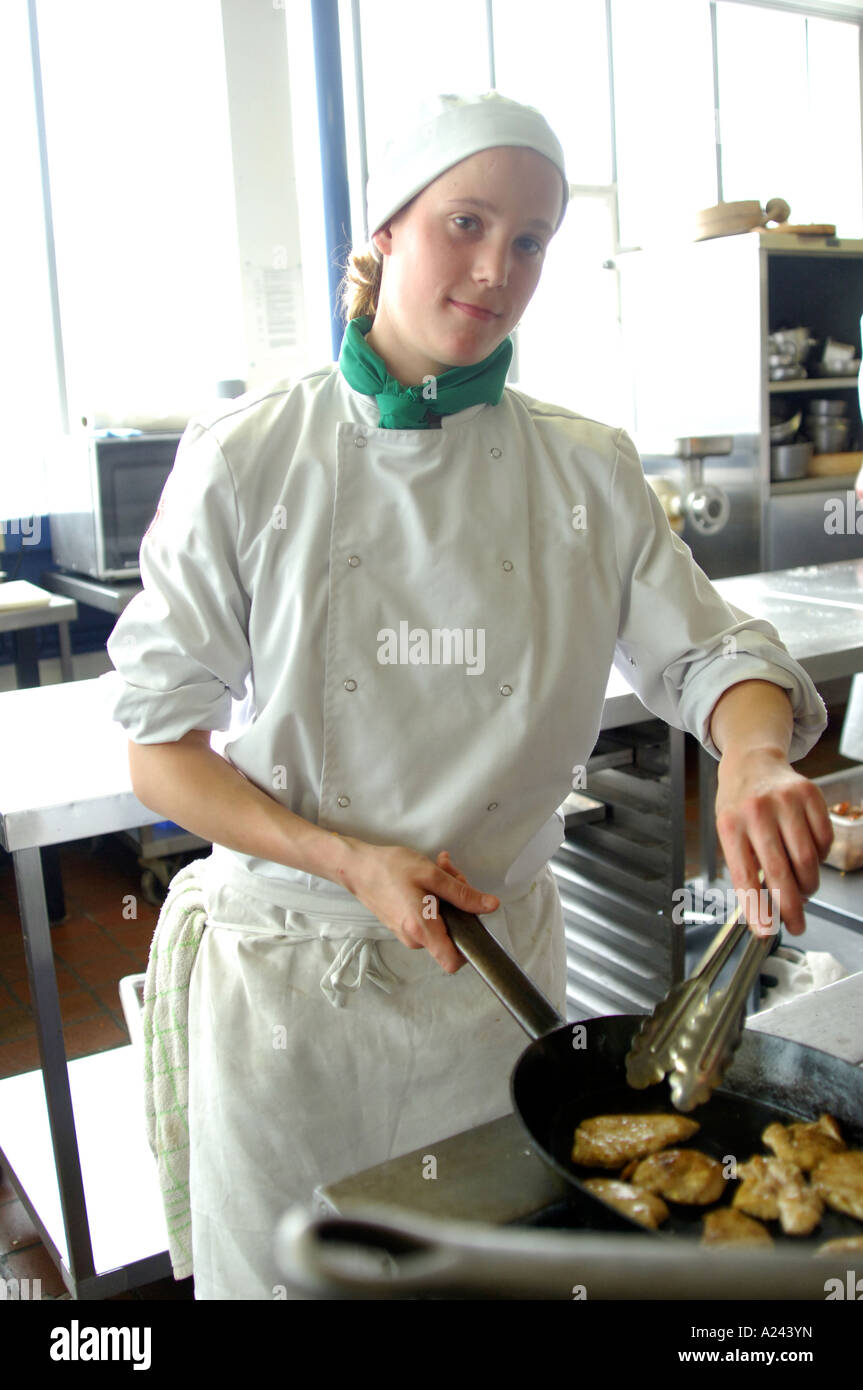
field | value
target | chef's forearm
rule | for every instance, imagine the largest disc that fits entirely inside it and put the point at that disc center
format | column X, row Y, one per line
column 201, row 791
column 752, row 716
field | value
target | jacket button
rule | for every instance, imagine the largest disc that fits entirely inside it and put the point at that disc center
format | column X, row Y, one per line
column 506, row 690
column 507, row 565
column 492, row 806
column 344, row 801
column 360, row 441
column 495, row 453
column 350, row 685
column 353, row 561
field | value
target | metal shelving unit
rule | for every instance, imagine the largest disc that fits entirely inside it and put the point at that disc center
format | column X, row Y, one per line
column 697, row 317
column 616, row 874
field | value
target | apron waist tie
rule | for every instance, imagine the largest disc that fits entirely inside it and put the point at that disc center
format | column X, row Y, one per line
column 363, row 954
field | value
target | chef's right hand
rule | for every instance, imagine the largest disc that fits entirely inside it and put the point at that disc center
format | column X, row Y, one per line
column 402, row 887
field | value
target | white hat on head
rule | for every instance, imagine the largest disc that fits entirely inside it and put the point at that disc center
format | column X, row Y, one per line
column 444, row 131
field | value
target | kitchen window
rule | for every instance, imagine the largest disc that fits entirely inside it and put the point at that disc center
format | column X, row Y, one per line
column 146, row 183
column 139, row 158
column 663, row 108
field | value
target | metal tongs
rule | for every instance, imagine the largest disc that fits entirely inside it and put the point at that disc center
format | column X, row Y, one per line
column 690, row 1037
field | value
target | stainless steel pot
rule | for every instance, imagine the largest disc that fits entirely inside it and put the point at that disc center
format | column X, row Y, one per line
column 829, row 434
column 827, row 407
column 788, row 461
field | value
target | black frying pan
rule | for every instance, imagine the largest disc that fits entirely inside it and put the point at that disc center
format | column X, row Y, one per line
column 556, row 1084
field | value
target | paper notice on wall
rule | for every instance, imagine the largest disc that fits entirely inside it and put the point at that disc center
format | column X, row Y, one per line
column 274, row 314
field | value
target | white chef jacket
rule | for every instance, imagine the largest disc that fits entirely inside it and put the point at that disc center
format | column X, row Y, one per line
column 296, row 544
column 294, row 534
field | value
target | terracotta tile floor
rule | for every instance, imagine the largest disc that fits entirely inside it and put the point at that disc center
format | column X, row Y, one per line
column 95, row 946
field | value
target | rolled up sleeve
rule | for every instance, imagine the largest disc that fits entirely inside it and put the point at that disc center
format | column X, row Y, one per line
column 680, row 645
column 180, row 650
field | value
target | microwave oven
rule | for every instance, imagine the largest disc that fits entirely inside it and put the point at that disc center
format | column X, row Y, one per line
column 104, row 492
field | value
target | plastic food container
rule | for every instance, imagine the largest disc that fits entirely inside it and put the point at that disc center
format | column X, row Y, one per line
column 846, row 852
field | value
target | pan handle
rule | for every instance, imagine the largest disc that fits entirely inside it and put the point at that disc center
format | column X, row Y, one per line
column 515, row 990
column 383, row 1252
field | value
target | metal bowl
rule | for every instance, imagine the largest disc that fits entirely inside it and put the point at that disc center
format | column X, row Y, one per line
column 829, row 437
column 794, row 340
column 784, row 431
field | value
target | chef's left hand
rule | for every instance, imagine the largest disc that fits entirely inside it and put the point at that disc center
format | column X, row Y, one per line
column 767, row 815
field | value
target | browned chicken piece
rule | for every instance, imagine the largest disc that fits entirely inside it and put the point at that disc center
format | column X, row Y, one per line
column 681, row 1175
column 609, row 1141
column 839, row 1179
column 725, row 1226
column 758, row 1193
column 805, row 1144
column 642, row 1206
column 842, row 1245
column 800, row 1207
column 776, row 1190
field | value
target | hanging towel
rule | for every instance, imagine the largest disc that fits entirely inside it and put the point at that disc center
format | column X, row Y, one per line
column 175, row 943
column 166, row 1053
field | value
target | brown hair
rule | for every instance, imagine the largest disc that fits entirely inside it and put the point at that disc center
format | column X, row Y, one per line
column 361, row 282
column 360, row 288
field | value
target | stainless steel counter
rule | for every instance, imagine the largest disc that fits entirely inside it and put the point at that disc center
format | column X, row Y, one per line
column 816, row 609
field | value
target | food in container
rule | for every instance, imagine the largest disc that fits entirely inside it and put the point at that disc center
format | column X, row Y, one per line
column 845, row 789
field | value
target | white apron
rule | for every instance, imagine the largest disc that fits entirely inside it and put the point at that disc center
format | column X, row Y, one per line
column 287, row 1091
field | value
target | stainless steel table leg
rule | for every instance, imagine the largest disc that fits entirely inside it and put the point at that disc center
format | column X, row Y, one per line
column 52, row 1051
column 52, row 877
column 66, row 667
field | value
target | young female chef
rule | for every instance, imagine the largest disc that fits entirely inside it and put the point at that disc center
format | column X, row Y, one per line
column 409, row 583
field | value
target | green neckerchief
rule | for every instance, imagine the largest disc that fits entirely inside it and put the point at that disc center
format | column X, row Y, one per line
column 412, row 407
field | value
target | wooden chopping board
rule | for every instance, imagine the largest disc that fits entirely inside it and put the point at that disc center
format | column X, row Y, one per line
column 829, row 465
column 805, row 229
